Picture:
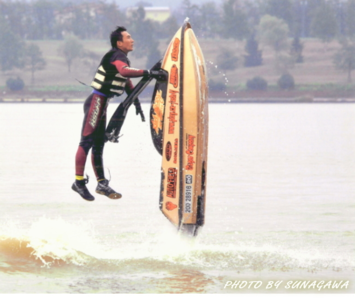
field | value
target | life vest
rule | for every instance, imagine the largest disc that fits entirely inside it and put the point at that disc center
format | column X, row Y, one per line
column 107, row 79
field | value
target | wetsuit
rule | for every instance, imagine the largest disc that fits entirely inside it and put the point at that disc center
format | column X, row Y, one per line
column 111, row 79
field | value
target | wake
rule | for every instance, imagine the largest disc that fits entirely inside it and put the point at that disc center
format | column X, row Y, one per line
column 52, row 243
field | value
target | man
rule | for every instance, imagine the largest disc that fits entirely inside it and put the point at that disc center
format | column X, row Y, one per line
column 112, row 78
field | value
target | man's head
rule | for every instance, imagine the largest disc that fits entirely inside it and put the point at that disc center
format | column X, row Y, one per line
column 121, row 39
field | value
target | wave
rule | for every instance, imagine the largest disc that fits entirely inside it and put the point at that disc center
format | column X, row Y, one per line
column 55, row 243
column 48, row 243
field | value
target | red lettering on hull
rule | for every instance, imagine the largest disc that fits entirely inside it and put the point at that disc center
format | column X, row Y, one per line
column 190, row 145
column 176, row 144
column 172, row 181
column 172, row 111
column 168, row 151
column 176, row 50
column 174, row 76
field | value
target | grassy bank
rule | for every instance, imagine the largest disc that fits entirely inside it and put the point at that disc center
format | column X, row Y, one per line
column 316, row 77
column 300, row 93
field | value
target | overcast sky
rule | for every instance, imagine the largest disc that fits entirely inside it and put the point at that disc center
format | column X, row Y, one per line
column 170, row 3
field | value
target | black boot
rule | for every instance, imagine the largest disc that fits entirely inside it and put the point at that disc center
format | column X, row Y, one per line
column 80, row 187
column 103, row 189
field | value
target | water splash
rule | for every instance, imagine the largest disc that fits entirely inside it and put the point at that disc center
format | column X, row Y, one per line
column 225, row 78
column 54, row 242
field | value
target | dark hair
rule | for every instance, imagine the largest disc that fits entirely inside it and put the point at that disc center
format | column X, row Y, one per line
column 116, row 36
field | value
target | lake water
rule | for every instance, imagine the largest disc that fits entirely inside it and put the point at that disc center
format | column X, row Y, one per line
column 280, row 205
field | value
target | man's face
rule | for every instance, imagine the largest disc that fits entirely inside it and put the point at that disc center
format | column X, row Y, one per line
column 126, row 45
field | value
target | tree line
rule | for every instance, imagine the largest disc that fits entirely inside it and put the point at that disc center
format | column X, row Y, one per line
column 45, row 19
column 270, row 22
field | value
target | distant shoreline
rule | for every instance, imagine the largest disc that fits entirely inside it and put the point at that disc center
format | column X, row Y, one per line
column 331, row 95
column 211, row 100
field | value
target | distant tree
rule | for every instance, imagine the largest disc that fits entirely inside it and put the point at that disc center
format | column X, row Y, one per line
column 350, row 18
column 344, row 58
column 11, row 47
column 210, row 21
column 257, row 83
column 284, row 61
column 273, row 32
column 34, row 60
column 324, row 23
column 167, row 29
column 253, row 12
column 286, row 82
column 83, row 23
column 71, row 50
column 11, row 11
column 189, row 10
column 234, row 21
column 282, row 9
column 296, row 50
column 254, row 56
column 142, row 31
column 15, row 84
column 110, row 17
column 216, row 85
column 227, row 60
column 43, row 18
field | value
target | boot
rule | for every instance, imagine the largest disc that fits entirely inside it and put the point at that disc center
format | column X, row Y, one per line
column 103, row 189
column 80, row 187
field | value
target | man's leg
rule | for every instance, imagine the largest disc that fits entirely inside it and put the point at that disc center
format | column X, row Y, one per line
column 94, row 109
column 97, row 161
column 98, row 149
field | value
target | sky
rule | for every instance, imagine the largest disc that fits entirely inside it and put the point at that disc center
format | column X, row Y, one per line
column 173, row 4
column 170, row 3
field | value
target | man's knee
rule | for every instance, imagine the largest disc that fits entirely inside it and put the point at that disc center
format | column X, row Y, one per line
column 97, row 150
column 86, row 145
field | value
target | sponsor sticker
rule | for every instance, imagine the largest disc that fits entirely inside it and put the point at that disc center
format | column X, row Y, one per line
column 168, row 151
column 172, row 111
column 176, row 144
column 172, row 181
column 176, row 50
column 190, row 146
column 170, row 206
column 174, row 76
column 158, row 108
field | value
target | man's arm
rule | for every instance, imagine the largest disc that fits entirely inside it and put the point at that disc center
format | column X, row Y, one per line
column 129, row 72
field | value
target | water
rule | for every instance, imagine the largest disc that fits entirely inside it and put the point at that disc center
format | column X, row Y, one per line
column 280, row 205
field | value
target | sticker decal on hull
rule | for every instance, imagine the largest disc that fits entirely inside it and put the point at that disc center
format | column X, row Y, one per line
column 170, row 206
column 176, row 144
column 172, row 182
column 168, row 151
column 158, row 107
column 174, row 76
column 172, row 111
column 176, row 50
column 190, row 144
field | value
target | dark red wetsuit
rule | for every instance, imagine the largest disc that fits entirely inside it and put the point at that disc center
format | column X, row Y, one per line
column 94, row 124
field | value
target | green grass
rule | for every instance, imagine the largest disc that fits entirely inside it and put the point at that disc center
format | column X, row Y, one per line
column 317, row 73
